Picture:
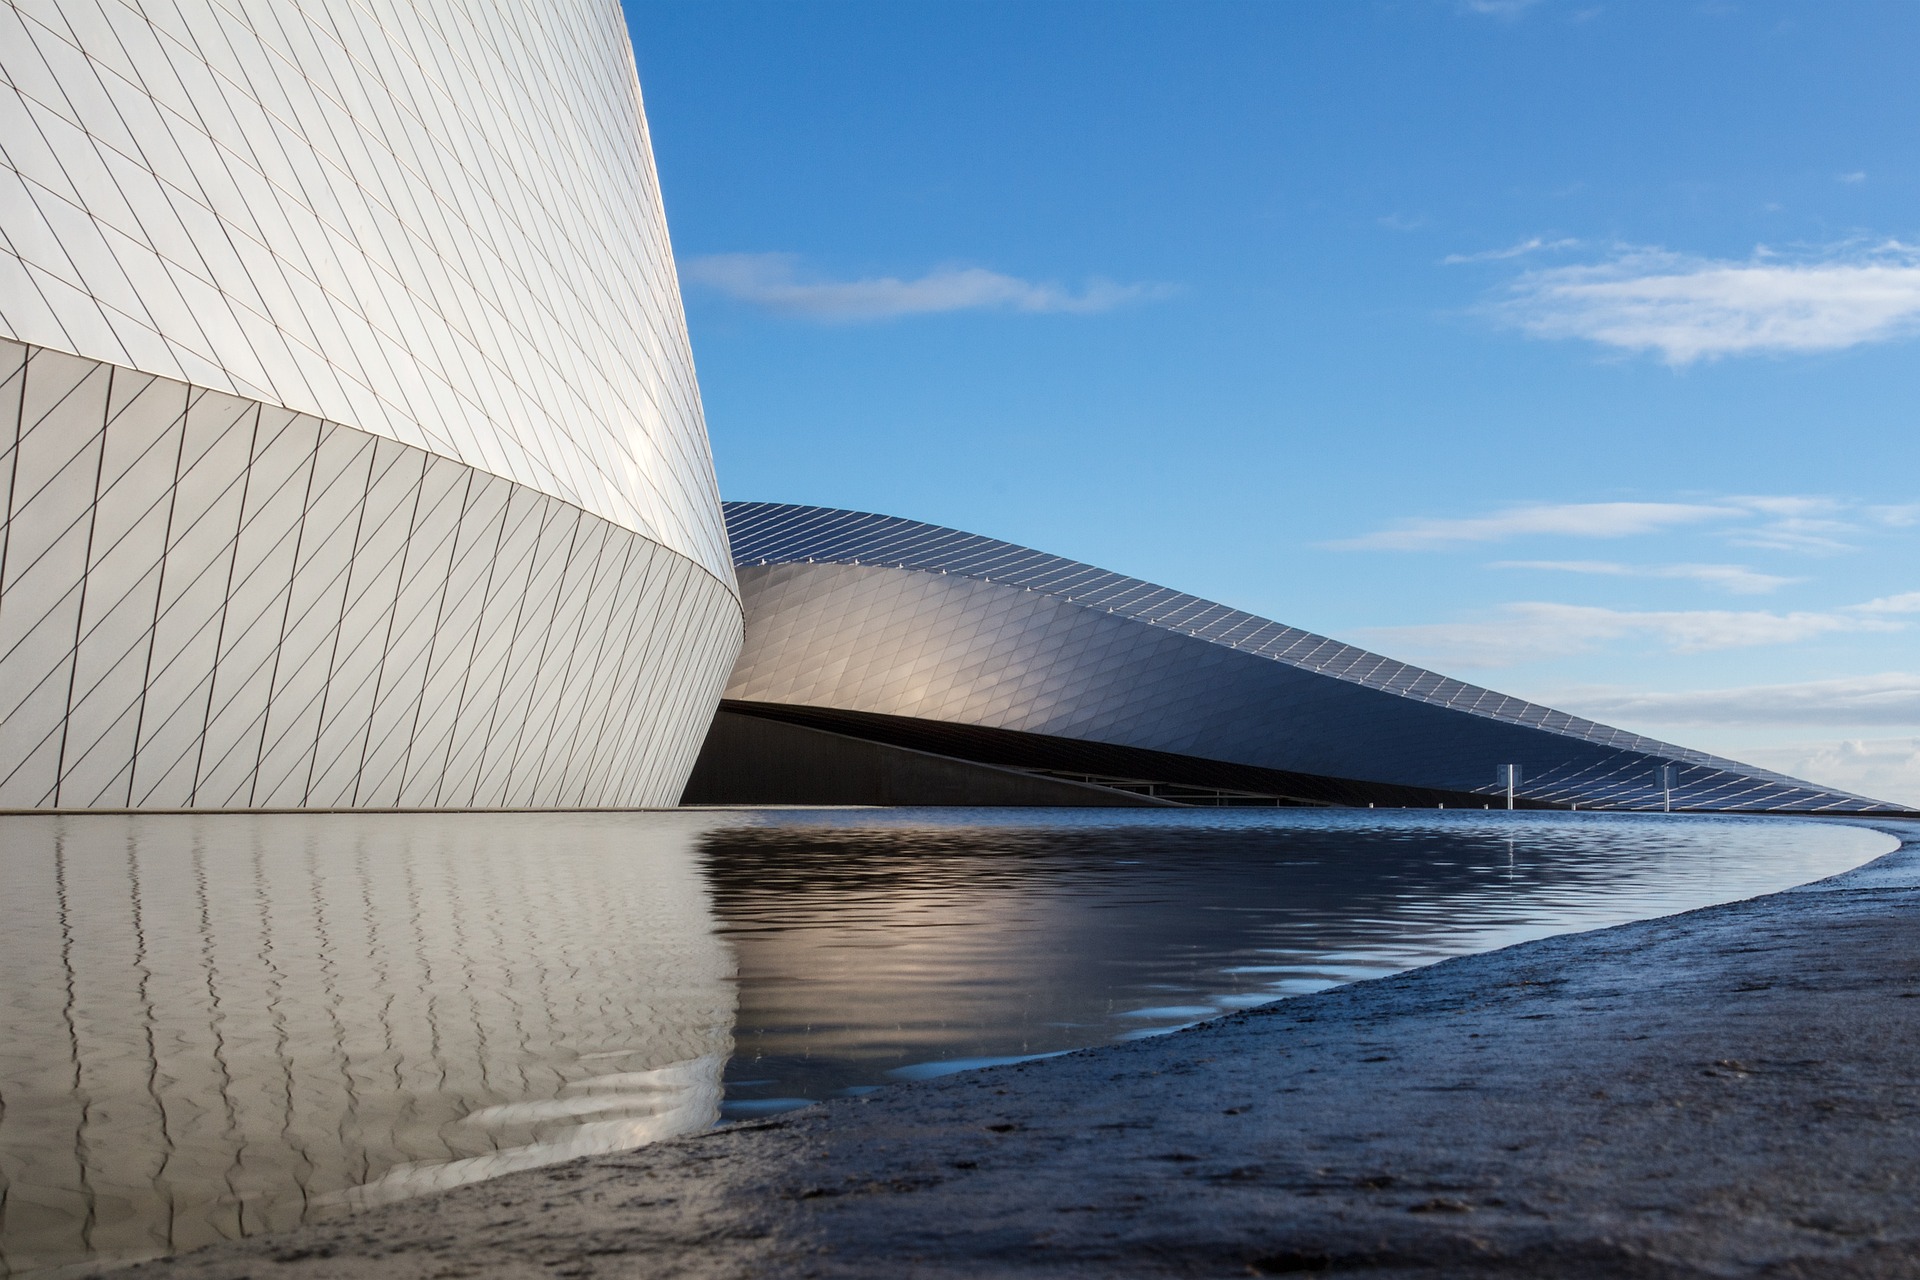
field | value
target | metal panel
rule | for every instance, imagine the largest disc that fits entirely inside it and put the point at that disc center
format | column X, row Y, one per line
column 444, row 233
column 439, row 230
column 879, row 616
column 147, row 420
column 56, row 471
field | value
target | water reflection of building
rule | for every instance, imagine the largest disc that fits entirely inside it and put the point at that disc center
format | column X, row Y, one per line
column 872, row 942
column 350, row 449
column 210, row 1022
column 893, row 662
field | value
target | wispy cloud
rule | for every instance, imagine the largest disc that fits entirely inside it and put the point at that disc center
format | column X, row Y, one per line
column 1809, row 525
column 1902, row 516
column 1885, row 768
column 1857, row 176
column 1688, row 308
column 1797, row 533
column 1734, row 578
column 1565, row 519
column 1498, row 8
column 777, row 282
column 1890, row 698
column 1534, row 630
column 1536, row 244
column 1888, row 768
column 1905, row 602
column 1402, row 221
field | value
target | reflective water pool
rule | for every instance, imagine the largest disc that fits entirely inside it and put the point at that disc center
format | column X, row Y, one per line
column 213, row 1026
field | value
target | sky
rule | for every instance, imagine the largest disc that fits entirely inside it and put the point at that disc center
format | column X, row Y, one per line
column 1567, row 347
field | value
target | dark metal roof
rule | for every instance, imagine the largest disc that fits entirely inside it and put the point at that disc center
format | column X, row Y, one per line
column 779, row 533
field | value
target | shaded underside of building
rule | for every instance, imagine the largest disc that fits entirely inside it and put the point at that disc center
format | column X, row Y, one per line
column 876, row 646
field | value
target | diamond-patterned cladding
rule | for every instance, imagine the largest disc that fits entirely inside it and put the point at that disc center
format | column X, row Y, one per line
column 206, row 602
column 354, row 454
column 865, row 613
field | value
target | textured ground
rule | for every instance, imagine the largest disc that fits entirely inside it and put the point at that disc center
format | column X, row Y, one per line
column 1732, row 1092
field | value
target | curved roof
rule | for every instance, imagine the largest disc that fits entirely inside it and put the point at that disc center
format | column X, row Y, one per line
column 764, row 533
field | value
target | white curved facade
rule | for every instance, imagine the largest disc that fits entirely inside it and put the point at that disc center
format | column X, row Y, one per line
column 353, row 451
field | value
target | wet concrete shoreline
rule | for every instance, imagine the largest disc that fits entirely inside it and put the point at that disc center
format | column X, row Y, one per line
column 1733, row 1091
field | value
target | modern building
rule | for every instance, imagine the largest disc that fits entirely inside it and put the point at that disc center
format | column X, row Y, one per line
column 353, row 455
column 888, row 661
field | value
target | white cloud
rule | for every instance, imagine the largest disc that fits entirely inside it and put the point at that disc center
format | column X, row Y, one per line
column 1789, row 505
column 1532, row 630
column 1902, row 516
column 1568, row 519
column 1905, row 602
column 1734, row 578
column 1800, row 524
column 1498, row 8
column 1534, row 245
column 1885, row 768
column 775, row 281
column 1858, row 175
column 1689, row 308
column 1812, row 526
column 1889, row 699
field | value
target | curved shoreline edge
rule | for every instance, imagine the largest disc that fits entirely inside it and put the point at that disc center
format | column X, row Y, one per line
column 1731, row 1091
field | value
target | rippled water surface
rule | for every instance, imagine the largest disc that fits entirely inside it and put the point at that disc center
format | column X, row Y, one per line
column 215, row 1026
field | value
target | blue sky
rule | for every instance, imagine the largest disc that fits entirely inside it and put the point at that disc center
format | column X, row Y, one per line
column 1565, row 347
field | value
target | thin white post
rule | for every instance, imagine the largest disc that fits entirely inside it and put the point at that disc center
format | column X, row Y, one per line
column 1669, row 775
column 1508, row 776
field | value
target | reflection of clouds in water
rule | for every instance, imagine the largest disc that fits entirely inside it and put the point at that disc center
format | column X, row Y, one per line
column 269, row 1014
column 876, row 942
column 665, row 1089
column 664, row 1103
column 272, row 1014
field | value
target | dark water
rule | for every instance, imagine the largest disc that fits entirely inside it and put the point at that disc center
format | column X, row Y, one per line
column 216, row 1026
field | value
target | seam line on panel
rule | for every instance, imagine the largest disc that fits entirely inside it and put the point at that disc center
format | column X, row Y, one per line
column 631, row 660
column 520, row 745
column 506, row 656
column 540, row 662
column 479, row 630
column 594, row 667
column 346, row 598
column 634, row 766
column 286, row 610
column 259, row 571
column 13, row 465
column 433, row 637
column 386, row 645
column 595, row 577
column 616, row 585
column 226, row 603
column 86, row 576
column 619, row 751
column 209, row 567
column 159, row 588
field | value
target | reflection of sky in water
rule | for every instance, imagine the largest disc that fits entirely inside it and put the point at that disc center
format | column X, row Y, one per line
column 214, row 1026
column 875, row 946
